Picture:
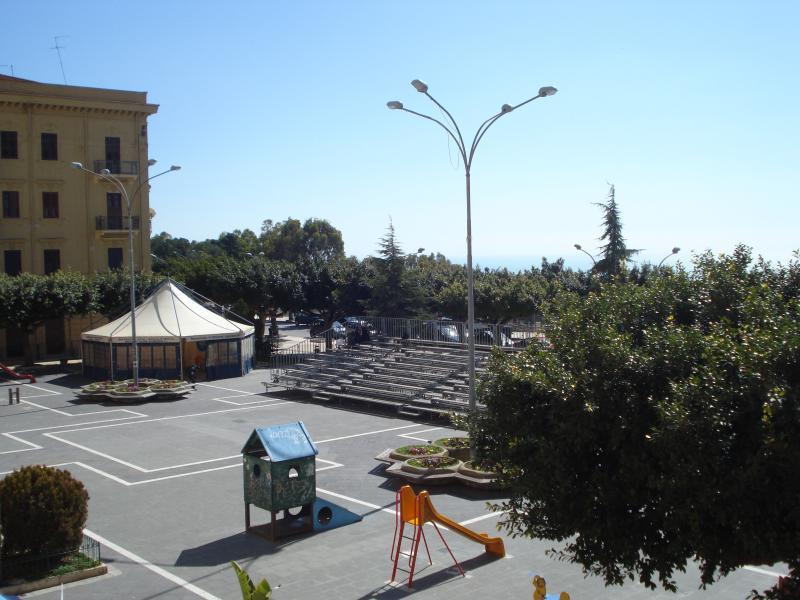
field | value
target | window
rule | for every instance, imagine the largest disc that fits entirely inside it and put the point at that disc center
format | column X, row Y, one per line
column 13, row 260
column 114, row 210
column 50, row 205
column 114, row 258
column 113, row 154
column 10, row 204
column 52, row 261
column 49, row 146
column 8, row 144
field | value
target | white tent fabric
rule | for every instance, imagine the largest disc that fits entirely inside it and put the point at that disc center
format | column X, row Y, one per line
column 169, row 313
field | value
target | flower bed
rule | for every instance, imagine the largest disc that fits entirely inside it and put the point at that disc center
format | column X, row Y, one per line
column 455, row 446
column 127, row 391
column 431, row 465
column 480, row 471
column 406, row 452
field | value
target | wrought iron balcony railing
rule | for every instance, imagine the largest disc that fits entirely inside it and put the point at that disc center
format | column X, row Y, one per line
column 118, row 167
column 106, row 223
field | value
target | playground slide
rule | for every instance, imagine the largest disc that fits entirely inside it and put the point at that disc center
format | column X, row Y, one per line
column 6, row 373
column 493, row 545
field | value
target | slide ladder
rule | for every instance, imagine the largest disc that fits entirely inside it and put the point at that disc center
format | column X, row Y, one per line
column 416, row 510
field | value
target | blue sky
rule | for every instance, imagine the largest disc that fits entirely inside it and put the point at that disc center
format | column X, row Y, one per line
column 277, row 110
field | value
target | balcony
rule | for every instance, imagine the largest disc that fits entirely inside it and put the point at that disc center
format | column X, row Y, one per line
column 115, row 224
column 126, row 168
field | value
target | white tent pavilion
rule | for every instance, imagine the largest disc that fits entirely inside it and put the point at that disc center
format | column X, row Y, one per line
column 173, row 332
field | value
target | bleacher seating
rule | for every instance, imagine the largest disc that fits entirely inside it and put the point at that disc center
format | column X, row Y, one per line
column 413, row 377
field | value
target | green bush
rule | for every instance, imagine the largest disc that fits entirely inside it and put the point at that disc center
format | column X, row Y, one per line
column 42, row 510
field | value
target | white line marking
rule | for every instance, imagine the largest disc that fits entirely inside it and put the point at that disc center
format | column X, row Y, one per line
column 49, row 392
column 20, row 440
column 189, row 587
column 482, row 517
column 764, row 571
column 347, row 437
column 97, row 412
column 420, row 431
column 411, row 437
column 71, row 425
column 391, row 511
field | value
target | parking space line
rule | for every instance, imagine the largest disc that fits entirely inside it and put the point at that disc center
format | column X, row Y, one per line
column 97, row 412
column 21, row 441
column 189, row 587
column 347, row 437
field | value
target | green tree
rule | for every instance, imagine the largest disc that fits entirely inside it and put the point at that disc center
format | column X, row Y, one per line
column 396, row 291
column 660, row 425
column 314, row 240
column 28, row 300
column 614, row 252
column 111, row 290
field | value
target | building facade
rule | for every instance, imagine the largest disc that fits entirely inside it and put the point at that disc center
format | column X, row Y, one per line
column 57, row 217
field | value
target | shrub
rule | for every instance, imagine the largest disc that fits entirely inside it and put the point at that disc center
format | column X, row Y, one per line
column 42, row 510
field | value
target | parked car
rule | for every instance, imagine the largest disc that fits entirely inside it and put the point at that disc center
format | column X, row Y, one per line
column 486, row 335
column 304, row 318
column 337, row 330
column 440, row 331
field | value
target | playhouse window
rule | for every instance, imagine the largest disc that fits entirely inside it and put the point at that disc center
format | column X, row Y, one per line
column 293, row 472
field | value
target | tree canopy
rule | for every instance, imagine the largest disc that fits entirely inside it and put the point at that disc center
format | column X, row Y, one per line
column 660, row 425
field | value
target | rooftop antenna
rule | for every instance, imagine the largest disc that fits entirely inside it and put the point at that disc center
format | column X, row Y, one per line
column 58, row 48
column 12, row 68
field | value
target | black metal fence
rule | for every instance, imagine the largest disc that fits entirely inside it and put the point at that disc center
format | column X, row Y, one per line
column 28, row 566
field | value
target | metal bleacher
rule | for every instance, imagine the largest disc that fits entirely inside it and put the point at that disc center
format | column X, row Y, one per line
column 412, row 377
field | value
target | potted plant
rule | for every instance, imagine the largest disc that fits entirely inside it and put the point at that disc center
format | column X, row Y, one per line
column 418, row 450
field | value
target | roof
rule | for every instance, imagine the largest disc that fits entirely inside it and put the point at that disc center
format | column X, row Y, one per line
column 167, row 315
column 282, row 442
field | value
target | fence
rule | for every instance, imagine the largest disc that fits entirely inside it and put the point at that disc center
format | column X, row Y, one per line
column 35, row 566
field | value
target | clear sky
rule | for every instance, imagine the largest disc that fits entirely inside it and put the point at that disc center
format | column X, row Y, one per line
column 277, row 110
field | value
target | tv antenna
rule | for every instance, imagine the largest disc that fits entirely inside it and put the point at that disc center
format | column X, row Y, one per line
column 58, row 48
column 12, row 68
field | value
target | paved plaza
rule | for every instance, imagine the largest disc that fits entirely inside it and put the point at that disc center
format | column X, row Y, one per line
column 165, row 486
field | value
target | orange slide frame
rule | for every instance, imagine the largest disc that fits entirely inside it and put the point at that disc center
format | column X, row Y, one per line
column 416, row 510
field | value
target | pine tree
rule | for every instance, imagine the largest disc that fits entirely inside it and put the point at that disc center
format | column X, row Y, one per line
column 615, row 254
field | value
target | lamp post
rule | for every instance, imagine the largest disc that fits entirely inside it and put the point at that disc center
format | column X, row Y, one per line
column 106, row 175
column 467, row 157
column 579, row 247
column 675, row 250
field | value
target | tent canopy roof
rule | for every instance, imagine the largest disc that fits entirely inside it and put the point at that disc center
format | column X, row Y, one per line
column 167, row 315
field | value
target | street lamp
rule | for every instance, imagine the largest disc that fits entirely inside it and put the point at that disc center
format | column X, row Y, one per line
column 579, row 247
column 675, row 250
column 466, row 157
column 106, row 175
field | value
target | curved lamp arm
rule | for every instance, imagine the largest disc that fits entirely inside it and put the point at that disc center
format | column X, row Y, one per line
column 443, row 126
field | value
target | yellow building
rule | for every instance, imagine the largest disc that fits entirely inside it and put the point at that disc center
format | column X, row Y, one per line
column 57, row 217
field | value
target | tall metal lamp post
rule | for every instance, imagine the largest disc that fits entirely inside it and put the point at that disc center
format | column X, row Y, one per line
column 466, row 156
column 675, row 250
column 579, row 247
column 106, row 174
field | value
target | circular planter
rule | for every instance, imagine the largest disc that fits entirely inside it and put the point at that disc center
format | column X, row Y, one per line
column 466, row 469
column 448, row 465
column 457, row 447
column 429, row 450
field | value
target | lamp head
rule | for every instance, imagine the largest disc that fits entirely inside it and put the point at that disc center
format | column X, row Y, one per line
column 151, row 162
column 77, row 165
column 547, row 91
column 578, row 247
column 420, row 86
column 394, row 105
column 105, row 172
column 175, row 168
column 506, row 108
column 675, row 250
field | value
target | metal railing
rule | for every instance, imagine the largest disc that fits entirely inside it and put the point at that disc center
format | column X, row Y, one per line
column 509, row 335
column 112, row 223
column 118, row 167
column 28, row 566
column 322, row 343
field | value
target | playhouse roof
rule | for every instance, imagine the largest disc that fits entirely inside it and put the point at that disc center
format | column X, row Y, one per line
column 282, row 442
column 169, row 314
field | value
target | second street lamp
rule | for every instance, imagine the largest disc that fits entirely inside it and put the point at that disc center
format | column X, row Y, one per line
column 467, row 156
column 674, row 251
column 107, row 176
